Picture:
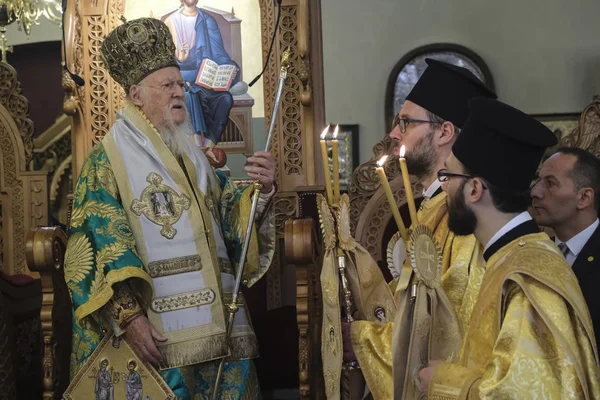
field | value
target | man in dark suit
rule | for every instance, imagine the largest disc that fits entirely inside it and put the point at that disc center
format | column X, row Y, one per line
column 566, row 198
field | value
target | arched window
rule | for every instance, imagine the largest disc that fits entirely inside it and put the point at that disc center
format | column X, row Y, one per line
column 410, row 67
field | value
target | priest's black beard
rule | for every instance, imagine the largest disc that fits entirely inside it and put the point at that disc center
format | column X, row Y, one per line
column 421, row 159
column 461, row 219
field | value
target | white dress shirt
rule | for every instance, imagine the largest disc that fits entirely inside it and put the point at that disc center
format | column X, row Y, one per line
column 576, row 243
column 513, row 223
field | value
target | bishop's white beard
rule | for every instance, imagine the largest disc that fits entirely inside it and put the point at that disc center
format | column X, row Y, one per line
column 178, row 137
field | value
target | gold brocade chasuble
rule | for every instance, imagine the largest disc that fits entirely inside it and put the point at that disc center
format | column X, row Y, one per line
column 462, row 272
column 530, row 335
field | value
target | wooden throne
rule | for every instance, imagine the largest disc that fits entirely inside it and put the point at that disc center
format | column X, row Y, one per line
column 23, row 192
column 31, row 360
column 373, row 227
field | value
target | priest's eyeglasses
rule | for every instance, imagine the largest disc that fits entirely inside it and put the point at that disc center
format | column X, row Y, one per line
column 404, row 122
column 444, row 175
column 170, row 86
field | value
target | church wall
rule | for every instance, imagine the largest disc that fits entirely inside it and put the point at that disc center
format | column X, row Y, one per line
column 39, row 71
column 544, row 55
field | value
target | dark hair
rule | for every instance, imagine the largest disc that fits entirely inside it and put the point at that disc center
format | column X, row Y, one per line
column 506, row 200
column 585, row 172
column 436, row 122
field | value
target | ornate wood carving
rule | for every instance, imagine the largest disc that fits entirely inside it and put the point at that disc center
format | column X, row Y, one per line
column 52, row 154
column 36, row 185
column 291, row 145
column 293, row 150
column 23, row 193
column 285, row 207
column 365, row 182
column 300, row 250
column 17, row 106
column 93, row 106
column 74, row 101
column 45, row 254
column 587, row 134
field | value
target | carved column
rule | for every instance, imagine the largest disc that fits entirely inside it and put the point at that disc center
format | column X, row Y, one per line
column 93, row 106
column 300, row 250
column 301, row 113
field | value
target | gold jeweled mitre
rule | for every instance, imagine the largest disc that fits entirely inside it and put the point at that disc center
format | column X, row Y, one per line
column 137, row 48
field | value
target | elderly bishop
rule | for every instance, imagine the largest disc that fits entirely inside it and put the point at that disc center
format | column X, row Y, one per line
column 156, row 233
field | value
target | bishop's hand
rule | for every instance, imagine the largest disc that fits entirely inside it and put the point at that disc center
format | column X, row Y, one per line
column 261, row 167
column 141, row 336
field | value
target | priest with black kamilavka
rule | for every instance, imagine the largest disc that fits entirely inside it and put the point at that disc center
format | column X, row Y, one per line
column 530, row 335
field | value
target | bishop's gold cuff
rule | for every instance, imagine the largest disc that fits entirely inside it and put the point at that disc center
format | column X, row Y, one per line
column 123, row 306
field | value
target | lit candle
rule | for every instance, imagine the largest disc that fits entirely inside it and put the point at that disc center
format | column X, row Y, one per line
column 390, row 198
column 408, row 188
column 336, row 165
column 325, row 159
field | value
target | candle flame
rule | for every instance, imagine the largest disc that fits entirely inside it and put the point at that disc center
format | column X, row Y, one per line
column 402, row 150
column 382, row 161
column 335, row 132
column 324, row 133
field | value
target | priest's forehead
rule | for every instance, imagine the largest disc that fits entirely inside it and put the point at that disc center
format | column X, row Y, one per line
column 412, row 110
